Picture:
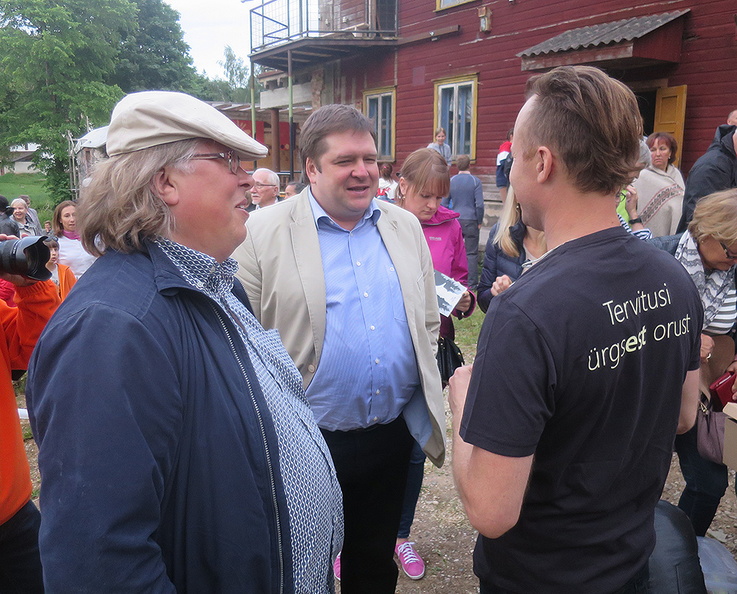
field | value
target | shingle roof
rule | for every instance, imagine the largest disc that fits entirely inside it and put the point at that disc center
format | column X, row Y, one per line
column 604, row 34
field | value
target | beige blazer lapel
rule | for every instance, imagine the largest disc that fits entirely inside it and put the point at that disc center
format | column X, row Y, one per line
column 306, row 252
column 410, row 277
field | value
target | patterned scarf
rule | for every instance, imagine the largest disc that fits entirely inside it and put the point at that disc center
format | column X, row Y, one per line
column 712, row 287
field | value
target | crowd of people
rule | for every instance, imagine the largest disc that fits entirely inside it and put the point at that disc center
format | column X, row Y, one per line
column 261, row 387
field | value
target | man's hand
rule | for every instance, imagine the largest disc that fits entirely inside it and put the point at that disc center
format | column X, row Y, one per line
column 16, row 279
column 491, row 486
column 501, row 284
column 458, row 387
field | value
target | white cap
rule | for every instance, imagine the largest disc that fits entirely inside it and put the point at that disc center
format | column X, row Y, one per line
column 151, row 118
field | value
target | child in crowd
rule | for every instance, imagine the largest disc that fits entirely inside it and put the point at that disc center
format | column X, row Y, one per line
column 62, row 276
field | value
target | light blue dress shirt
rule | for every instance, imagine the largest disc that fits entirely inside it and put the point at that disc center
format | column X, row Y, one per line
column 367, row 371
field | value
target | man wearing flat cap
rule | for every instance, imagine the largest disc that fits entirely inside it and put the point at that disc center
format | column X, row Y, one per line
column 177, row 449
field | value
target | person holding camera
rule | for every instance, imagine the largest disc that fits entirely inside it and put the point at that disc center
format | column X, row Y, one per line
column 20, row 564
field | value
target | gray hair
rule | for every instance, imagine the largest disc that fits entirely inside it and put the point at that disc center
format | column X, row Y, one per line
column 273, row 178
column 119, row 209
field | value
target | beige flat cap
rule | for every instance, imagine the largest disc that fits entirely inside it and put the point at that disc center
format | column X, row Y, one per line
column 150, row 118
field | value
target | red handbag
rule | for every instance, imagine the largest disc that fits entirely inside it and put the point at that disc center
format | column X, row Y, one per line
column 721, row 391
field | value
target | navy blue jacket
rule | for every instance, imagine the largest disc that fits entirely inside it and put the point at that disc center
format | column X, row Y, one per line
column 668, row 243
column 497, row 263
column 713, row 171
column 158, row 453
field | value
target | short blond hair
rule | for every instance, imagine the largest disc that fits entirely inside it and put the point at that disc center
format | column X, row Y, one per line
column 715, row 216
column 591, row 121
column 119, row 209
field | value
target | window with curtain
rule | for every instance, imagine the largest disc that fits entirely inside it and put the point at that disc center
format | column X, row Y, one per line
column 379, row 107
column 456, row 112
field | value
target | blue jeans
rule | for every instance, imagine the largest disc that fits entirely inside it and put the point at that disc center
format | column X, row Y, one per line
column 20, row 562
column 706, row 483
column 412, row 491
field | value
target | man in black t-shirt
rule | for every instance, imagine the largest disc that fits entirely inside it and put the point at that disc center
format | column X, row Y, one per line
column 585, row 368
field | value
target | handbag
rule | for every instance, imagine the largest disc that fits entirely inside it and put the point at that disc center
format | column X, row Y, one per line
column 721, row 391
column 449, row 358
column 710, row 431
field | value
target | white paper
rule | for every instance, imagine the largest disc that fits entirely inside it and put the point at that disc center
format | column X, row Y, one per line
column 449, row 293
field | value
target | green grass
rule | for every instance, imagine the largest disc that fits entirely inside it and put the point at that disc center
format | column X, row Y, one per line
column 14, row 184
column 467, row 333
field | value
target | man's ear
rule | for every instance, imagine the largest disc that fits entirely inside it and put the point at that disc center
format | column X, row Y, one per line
column 164, row 187
column 545, row 164
column 311, row 169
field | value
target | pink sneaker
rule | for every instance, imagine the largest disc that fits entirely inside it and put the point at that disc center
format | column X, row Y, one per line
column 336, row 567
column 411, row 562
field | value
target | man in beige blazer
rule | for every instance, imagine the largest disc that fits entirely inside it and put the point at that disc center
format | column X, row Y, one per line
column 348, row 282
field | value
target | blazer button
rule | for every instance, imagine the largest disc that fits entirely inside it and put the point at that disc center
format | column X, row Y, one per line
column 311, row 368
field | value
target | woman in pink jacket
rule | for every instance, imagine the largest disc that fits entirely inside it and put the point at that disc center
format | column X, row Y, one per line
column 424, row 183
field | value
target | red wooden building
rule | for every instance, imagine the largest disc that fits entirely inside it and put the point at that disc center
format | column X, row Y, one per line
column 462, row 64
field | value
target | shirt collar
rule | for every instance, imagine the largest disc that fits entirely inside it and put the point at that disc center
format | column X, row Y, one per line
column 201, row 271
column 318, row 212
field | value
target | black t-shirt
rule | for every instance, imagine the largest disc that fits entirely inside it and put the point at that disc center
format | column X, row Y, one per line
column 581, row 363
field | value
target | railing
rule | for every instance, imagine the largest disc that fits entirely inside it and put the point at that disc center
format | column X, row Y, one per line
column 276, row 22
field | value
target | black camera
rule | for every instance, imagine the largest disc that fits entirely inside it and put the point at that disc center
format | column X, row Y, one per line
column 26, row 257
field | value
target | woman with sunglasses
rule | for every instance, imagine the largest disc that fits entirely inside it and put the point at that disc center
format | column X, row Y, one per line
column 708, row 251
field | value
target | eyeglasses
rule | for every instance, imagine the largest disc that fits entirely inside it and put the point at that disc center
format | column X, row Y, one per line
column 259, row 185
column 727, row 253
column 234, row 161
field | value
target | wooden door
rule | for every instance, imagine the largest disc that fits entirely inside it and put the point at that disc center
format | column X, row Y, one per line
column 670, row 114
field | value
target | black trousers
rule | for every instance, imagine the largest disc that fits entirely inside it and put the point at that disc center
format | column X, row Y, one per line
column 372, row 470
column 637, row 585
column 20, row 563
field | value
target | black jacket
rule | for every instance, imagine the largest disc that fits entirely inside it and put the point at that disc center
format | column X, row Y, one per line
column 715, row 170
column 8, row 225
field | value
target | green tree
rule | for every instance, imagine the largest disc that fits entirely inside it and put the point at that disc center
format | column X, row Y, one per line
column 234, row 88
column 155, row 55
column 236, row 70
column 57, row 58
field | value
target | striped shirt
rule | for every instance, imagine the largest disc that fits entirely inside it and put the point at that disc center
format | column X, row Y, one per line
column 725, row 317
